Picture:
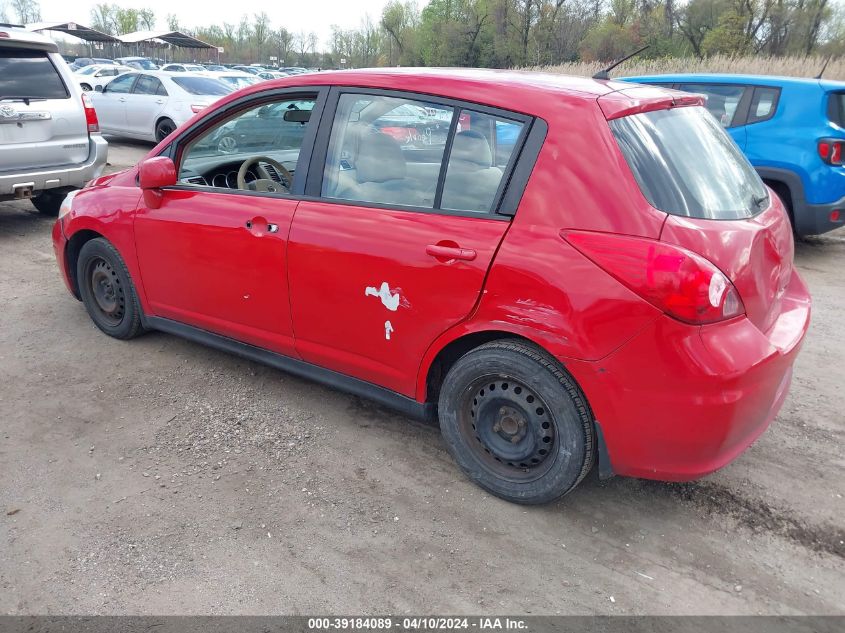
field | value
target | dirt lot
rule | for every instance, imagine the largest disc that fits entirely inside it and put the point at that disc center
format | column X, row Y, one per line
column 161, row 477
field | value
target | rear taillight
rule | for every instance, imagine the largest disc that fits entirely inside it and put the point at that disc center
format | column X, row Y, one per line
column 197, row 107
column 90, row 114
column 830, row 150
column 681, row 283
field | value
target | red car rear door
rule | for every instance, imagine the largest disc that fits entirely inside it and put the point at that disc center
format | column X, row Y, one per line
column 396, row 248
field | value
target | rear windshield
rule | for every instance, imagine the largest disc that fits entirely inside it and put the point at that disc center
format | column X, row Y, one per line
column 836, row 108
column 29, row 75
column 202, row 85
column 686, row 164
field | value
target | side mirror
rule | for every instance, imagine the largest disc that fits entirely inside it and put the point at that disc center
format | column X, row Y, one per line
column 153, row 174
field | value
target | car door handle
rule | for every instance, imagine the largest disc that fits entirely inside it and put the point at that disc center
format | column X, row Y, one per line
column 260, row 222
column 447, row 253
column 159, row 100
column 121, row 99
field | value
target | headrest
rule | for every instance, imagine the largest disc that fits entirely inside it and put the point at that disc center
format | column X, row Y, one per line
column 379, row 158
column 472, row 147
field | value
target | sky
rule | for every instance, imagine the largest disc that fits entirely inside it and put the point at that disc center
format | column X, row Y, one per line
column 310, row 15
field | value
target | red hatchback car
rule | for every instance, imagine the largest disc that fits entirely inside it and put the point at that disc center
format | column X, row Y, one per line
column 562, row 270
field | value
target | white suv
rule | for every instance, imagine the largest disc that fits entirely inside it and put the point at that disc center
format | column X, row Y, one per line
column 49, row 135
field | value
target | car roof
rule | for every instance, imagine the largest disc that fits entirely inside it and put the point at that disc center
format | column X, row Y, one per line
column 21, row 38
column 730, row 78
column 520, row 91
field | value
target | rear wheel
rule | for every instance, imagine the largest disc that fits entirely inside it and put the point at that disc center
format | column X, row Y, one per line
column 85, row 87
column 164, row 129
column 48, row 202
column 516, row 423
column 107, row 291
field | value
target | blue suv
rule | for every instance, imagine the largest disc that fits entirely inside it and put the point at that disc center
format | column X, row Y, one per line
column 793, row 132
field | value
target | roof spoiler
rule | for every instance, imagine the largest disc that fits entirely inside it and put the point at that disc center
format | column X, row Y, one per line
column 605, row 73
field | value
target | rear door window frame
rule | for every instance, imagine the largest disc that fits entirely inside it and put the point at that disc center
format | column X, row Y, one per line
column 751, row 118
column 525, row 152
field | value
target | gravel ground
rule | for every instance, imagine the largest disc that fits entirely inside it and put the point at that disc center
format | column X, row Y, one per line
column 161, row 477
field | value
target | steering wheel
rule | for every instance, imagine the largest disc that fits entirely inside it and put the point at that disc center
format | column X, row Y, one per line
column 264, row 183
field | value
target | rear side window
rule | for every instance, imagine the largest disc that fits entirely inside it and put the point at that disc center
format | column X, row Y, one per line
column 722, row 100
column 685, row 164
column 29, row 75
column 763, row 104
column 202, row 86
column 836, row 108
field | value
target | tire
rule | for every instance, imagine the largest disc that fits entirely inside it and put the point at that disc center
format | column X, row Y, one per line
column 516, row 423
column 48, row 202
column 85, row 87
column 107, row 290
column 228, row 144
column 164, row 129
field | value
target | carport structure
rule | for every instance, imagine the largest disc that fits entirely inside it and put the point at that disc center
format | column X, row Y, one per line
column 145, row 41
column 94, row 38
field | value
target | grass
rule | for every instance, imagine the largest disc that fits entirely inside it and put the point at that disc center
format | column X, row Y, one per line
column 757, row 65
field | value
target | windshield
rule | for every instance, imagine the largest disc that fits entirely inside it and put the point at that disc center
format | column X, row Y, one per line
column 144, row 64
column 202, row 86
column 86, row 70
column 686, row 164
column 29, row 75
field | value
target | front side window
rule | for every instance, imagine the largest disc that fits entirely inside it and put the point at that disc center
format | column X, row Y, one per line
column 122, row 84
column 685, row 164
column 386, row 150
column 270, row 135
column 722, row 100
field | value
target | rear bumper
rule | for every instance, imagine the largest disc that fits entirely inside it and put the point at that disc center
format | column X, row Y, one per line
column 40, row 179
column 814, row 219
column 678, row 402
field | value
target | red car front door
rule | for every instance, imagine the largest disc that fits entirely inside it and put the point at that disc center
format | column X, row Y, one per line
column 217, row 261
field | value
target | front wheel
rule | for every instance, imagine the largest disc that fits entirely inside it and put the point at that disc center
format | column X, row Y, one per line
column 163, row 129
column 107, row 291
column 85, row 87
column 516, row 422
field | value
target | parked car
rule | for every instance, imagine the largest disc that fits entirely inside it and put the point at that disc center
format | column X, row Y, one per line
column 138, row 63
column 95, row 76
column 81, row 62
column 267, row 75
column 49, row 143
column 793, row 132
column 252, row 70
column 216, row 68
column 235, row 78
column 150, row 105
column 547, row 319
column 183, row 68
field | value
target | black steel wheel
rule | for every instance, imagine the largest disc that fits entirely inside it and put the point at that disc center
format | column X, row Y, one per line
column 107, row 291
column 516, row 422
column 164, row 128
